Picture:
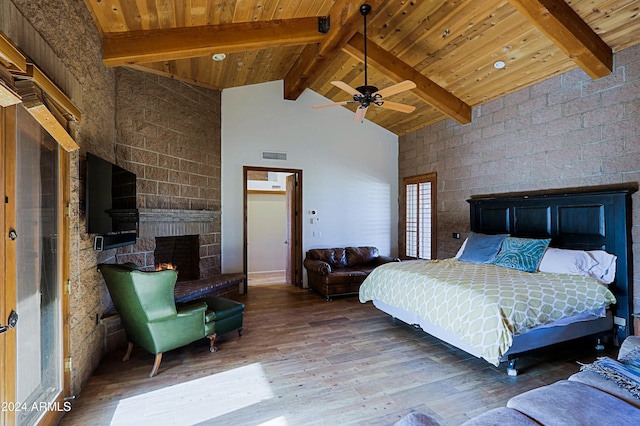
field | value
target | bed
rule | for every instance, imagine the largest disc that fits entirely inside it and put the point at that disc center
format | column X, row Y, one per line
column 466, row 295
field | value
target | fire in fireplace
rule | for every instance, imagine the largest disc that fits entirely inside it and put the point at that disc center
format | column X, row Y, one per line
column 163, row 266
column 182, row 253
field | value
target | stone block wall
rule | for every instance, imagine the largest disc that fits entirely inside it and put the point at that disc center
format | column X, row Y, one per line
column 568, row 131
column 168, row 133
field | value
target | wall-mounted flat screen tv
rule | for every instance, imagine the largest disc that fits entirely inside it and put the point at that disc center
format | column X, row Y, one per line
column 111, row 200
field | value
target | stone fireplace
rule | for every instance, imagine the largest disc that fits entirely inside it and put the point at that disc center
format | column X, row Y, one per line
column 190, row 238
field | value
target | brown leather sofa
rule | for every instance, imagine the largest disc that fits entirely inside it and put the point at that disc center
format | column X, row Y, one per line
column 340, row 271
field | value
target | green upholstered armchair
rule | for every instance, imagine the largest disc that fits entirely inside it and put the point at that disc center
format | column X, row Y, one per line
column 145, row 303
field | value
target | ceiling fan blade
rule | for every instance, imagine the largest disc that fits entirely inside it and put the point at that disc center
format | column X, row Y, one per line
column 396, row 88
column 344, row 86
column 330, row 105
column 360, row 112
column 397, row 107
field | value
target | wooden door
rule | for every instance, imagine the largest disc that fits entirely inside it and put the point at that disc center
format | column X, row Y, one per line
column 8, row 264
column 292, row 274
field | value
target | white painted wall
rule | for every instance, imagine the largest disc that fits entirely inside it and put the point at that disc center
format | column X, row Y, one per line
column 267, row 229
column 349, row 169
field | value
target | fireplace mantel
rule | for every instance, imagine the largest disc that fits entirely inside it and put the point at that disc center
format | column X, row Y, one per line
column 173, row 222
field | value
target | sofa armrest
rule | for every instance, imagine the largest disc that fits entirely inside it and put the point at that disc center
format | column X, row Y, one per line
column 629, row 344
column 317, row 266
column 380, row 260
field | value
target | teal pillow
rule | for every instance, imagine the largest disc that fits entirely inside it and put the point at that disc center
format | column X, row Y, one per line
column 523, row 254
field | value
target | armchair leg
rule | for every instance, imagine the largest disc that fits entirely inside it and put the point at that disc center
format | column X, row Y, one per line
column 240, row 332
column 128, row 354
column 212, row 341
column 156, row 365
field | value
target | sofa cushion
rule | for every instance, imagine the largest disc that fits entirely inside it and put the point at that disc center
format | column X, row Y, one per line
column 595, row 380
column 345, row 275
column 416, row 418
column 571, row 403
column 335, row 257
column 367, row 269
column 501, row 417
column 361, row 255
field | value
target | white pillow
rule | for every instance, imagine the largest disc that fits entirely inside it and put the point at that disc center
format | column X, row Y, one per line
column 563, row 261
column 464, row 244
column 605, row 270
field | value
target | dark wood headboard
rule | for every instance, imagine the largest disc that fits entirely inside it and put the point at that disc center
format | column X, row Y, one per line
column 573, row 219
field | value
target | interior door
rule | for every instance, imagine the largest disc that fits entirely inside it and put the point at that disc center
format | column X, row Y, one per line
column 32, row 368
column 290, row 274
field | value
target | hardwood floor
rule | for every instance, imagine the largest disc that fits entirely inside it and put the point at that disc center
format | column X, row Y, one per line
column 304, row 361
column 265, row 278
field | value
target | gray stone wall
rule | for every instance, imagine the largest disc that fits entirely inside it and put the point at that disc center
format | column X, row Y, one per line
column 568, row 131
column 169, row 135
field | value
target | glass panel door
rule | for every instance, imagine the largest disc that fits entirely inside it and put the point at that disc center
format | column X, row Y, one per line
column 39, row 331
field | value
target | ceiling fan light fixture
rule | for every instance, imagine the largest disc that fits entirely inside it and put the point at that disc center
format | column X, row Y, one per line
column 366, row 94
column 219, row 57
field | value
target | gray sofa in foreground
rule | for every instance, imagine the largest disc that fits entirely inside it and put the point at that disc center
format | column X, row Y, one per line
column 586, row 398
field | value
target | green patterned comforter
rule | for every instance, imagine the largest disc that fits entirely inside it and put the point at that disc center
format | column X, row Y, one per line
column 485, row 305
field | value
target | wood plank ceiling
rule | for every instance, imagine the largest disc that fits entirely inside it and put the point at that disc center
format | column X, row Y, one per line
column 448, row 48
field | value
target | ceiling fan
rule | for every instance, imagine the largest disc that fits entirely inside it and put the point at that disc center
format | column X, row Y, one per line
column 367, row 95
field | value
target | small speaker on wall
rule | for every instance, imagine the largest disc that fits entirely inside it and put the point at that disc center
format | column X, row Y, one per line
column 98, row 243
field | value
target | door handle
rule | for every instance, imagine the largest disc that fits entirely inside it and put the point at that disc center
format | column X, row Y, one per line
column 11, row 322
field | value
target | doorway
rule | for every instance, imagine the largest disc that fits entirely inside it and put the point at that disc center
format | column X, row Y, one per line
column 279, row 192
column 33, row 258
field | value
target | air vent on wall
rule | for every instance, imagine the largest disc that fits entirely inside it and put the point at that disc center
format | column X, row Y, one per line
column 268, row 155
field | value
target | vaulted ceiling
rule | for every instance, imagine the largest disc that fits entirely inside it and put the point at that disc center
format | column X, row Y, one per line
column 448, row 48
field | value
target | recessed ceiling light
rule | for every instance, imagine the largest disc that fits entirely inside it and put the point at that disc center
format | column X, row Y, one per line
column 218, row 57
column 499, row 65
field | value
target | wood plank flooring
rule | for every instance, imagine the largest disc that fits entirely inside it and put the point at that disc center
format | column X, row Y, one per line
column 265, row 278
column 304, row 361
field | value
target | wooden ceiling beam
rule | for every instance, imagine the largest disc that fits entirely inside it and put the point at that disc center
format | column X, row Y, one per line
column 144, row 46
column 345, row 21
column 558, row 21
column 398, row 70
column 10, row 56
